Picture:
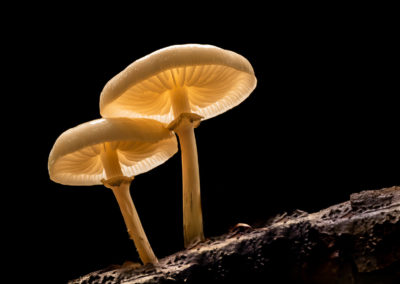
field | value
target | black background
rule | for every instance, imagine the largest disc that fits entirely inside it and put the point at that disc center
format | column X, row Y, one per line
column 322, row 123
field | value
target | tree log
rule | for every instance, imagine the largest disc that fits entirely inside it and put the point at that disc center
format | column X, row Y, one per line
column 357, row 241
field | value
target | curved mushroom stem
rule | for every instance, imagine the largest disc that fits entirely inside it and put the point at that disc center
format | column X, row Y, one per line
column 120, row 187
column 133, row 224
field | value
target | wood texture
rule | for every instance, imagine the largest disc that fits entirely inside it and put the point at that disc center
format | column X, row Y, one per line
column 357, row 241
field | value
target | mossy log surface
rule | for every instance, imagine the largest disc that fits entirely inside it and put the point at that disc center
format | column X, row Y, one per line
column 357, row 241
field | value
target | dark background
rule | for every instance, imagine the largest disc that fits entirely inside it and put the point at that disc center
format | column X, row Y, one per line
column 322, row 123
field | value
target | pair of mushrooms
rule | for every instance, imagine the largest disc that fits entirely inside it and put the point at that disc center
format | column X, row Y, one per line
column 167, row 91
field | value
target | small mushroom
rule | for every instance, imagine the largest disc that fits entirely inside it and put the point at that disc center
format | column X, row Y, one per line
column 112, row 152
column 181, row 85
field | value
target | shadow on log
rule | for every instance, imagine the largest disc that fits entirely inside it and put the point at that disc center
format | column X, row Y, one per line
column 357, row 241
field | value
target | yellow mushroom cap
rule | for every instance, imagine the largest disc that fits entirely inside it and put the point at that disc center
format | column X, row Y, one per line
column 141, row 144
column 216, row 81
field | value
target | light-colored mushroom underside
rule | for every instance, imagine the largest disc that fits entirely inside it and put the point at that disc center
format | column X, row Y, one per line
column 140, row 146
column 84, row 167
column 216, row 80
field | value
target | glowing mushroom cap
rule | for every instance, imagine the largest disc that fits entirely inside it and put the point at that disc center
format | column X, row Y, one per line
column 141, row 144
column 216, row 81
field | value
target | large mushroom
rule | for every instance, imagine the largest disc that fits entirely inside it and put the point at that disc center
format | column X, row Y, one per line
column 112, row 152
column 181, row 85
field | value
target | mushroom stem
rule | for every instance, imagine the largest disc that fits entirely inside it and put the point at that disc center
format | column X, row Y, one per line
column 192, row 214
column 120, row 188
column 133, row 224
column 109, row 158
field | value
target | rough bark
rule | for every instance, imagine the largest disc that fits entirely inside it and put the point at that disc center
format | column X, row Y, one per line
column 357, row 241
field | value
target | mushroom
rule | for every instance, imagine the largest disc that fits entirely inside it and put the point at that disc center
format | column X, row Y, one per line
column 112, row 152
column 181, row 85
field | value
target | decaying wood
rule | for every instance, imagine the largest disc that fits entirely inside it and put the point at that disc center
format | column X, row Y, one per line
column 357, row 241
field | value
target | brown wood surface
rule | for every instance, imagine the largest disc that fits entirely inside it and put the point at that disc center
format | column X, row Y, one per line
column 357, row 241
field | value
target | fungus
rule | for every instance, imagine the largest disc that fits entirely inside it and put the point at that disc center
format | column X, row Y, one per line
column 112, row 152
column 181, row 85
